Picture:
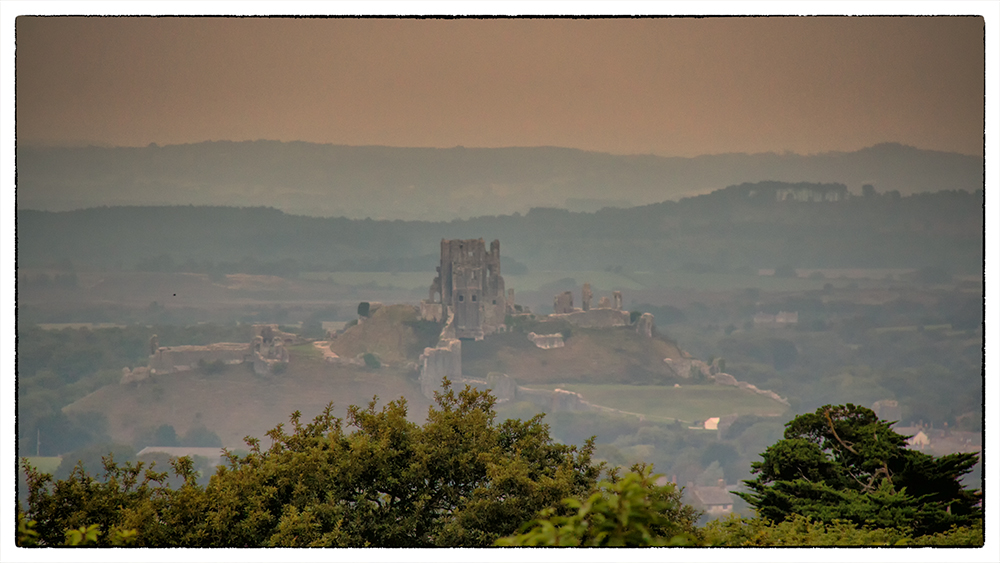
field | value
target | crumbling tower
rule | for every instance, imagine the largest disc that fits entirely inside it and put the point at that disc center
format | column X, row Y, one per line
column 469, row 284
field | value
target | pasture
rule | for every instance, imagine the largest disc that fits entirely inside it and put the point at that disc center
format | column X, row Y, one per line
column 664, row 403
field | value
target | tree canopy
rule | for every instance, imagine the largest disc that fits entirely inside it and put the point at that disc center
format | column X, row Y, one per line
column 633, row 511
column 840, row 476
column 459, row 479
column 842, row 463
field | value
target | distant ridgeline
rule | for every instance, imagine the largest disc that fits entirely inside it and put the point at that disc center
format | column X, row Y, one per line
column 444, row 184
column 783, row 191
column 743, row 227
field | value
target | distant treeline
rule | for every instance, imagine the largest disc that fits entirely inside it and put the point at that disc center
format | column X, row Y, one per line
column 441, row 184
column 740, row 228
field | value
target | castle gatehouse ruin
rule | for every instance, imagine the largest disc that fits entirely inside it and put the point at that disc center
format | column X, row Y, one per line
column 470, row 287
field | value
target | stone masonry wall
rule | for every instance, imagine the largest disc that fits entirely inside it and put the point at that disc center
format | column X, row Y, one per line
column 180, row 358
column 436, row 363
column 595, row 318
column 547, row 341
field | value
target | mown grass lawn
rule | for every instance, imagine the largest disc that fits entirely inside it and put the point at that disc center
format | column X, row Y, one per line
column 688, row 403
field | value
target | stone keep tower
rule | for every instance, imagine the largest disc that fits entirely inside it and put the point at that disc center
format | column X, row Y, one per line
column 469, row 283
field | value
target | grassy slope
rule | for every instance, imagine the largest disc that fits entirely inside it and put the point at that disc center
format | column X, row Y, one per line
column 384, row 335
column 594, row 356
column 666, row 403
column 237, row 403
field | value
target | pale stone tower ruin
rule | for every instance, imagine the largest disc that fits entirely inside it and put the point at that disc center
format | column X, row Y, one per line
column 470, row 285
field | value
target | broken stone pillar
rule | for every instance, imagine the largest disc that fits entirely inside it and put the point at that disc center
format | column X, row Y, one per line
column 434, row 295
column 154, row 345
column 563, row 302
column 586, row 297
column 510, row 299
column 604, row 303
column 644, row 325
column 618, row 300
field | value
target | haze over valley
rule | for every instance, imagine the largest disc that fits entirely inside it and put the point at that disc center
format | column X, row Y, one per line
column 491, row 275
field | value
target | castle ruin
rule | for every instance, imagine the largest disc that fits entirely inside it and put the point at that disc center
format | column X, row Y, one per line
column 607, row 314
column 268, row 348
column 469, row 287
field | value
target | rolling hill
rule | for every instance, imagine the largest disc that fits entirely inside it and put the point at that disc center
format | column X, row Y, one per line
column 443, row 184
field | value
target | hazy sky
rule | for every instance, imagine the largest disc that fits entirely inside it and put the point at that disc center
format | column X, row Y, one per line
column 682, row 87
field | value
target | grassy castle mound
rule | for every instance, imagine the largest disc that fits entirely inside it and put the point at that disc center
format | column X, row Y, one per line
column 393, row 333
column 615, row 355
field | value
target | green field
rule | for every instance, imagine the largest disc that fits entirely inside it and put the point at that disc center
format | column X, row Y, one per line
column 688, row 403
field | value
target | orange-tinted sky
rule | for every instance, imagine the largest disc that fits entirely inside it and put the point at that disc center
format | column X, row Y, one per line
column 682, row 87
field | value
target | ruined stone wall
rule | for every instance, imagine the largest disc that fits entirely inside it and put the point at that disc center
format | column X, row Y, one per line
column 180, row 358
column 136, row 375
column 431, row 311
column 494, row 304
column 435, row 363
column 688, row 368
column 547, row 341
column 563, row 303
column 270, row 331
column 502, row 386
column 595, row 318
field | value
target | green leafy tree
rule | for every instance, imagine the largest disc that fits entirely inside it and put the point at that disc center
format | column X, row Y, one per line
column 84, row 510
column 461, row 479
column 371, row 361
column 842, row 463
column 201, row 437
column 629, row 512
column 806, row 532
